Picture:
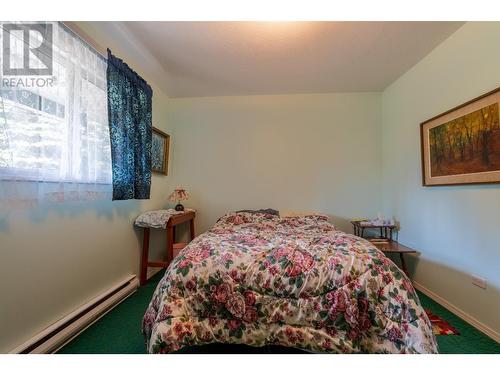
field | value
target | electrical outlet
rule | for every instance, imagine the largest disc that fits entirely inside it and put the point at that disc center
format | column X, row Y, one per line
column 479, row 281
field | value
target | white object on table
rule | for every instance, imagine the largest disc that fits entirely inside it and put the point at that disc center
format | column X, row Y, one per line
column 158, row 218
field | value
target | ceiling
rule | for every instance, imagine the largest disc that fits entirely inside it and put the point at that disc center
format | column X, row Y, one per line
column 248, row 58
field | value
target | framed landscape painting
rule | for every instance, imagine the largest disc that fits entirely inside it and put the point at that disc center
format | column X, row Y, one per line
column 159, row 151
column 462, row 145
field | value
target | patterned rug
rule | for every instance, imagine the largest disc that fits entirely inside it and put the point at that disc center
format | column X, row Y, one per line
column 441, row 326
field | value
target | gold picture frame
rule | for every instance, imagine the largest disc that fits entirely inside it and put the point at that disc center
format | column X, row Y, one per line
column 462, row 146
column 160, row 145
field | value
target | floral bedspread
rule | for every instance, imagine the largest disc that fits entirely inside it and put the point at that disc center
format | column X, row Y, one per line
column 259, row 279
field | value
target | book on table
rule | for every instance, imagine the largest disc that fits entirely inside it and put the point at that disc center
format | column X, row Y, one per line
column 379, row 240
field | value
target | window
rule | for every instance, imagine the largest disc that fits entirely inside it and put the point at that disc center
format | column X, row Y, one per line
column 54, row 129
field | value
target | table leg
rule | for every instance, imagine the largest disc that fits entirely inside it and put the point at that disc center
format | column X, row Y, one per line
column 170, row 243
column 144, row 258
column 403, row 264
column 191, row 229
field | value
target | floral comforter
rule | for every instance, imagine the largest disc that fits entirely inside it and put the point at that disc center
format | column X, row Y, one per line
column 259, row 279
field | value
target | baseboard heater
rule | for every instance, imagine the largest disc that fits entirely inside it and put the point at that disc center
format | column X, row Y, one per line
column 64, row 330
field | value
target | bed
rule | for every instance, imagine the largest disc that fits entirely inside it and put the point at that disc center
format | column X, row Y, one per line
column 260, row 279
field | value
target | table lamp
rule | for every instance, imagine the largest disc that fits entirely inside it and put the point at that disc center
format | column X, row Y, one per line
column 179, row 195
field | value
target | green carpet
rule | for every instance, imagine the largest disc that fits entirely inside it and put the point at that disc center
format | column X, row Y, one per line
column 119, row 331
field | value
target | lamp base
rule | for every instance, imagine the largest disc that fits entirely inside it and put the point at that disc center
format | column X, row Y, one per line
column 179, row 207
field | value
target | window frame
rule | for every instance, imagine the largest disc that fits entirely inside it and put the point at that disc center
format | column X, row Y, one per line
column 10, row 173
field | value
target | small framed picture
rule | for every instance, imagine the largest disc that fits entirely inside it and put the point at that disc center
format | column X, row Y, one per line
column 159, row 151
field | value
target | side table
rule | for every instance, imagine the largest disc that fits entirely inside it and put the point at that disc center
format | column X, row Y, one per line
column 393, row 247
column 171, row 244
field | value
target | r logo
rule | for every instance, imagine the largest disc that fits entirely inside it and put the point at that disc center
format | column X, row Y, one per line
column 34, row 47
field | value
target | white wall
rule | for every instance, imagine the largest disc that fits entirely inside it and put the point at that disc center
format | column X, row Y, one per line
column 456, row 228
column 56, row 257
column 295, row 152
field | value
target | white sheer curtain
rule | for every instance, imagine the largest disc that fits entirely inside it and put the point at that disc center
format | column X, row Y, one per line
column 54, row 141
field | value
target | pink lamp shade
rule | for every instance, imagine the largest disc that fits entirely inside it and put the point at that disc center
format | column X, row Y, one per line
column 178, row 195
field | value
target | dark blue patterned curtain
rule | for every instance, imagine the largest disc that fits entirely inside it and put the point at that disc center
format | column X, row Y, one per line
column 129, row 112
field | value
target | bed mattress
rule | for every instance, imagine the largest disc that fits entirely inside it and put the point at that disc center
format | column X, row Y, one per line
column 258, row 279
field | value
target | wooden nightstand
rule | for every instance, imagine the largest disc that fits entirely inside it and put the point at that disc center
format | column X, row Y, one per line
column 171, row 244
column 393, row 247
